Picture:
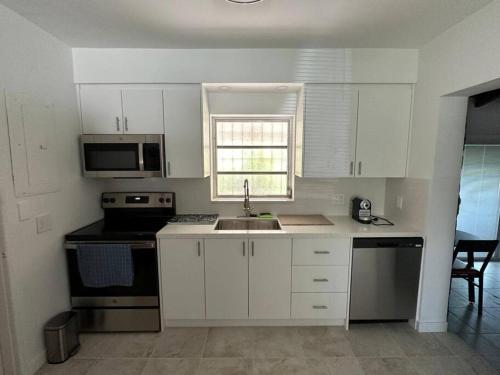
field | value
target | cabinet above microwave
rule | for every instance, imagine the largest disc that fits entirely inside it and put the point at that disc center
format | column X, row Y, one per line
column 123, row 156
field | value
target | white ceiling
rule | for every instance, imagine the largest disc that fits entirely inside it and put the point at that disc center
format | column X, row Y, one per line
column 220, row 24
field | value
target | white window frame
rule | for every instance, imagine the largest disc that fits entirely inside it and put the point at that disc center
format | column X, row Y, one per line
column 291, row 158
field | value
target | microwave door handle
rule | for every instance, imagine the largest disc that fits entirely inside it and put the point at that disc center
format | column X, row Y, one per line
column 141, row 157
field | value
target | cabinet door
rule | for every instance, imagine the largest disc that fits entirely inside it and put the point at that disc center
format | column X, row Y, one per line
column 183, row 282
column 101, row 109
column 329, row 130
column 142, row 111
column 383, row 129
column 183, row 131
column 226, row 278
column 270, row 278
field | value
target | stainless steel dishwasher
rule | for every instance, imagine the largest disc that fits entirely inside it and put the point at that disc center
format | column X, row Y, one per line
column 385, row 278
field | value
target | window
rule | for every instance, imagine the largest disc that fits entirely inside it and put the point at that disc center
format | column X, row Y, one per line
column 255, row 148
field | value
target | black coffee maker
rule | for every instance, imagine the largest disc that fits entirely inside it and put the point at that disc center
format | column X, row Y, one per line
column 361, row 210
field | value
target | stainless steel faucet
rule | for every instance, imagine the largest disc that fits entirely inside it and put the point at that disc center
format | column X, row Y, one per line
column 246, row 203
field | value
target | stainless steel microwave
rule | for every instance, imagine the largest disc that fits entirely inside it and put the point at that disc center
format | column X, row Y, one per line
column 123, row 156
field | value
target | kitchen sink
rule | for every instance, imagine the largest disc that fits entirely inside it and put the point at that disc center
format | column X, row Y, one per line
column 248, row 224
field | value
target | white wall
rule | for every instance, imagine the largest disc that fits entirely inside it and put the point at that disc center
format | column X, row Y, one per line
column 463, row 57
column 34, row 62
column 312, row 196
column 118, row 65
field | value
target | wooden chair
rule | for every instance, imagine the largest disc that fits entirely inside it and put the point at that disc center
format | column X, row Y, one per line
column 466, row 270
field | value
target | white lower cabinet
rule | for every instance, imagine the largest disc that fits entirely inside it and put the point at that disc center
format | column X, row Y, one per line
column 319, row 305
column 183, row 280
column 270, row 272
column 226, row 278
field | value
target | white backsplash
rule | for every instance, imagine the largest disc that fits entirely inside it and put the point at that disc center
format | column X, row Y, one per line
column 312, row 196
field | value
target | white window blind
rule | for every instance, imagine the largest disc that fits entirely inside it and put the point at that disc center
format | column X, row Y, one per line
column 253, row 148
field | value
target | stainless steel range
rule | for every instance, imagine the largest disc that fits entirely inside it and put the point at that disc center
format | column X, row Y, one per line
column 130, row 220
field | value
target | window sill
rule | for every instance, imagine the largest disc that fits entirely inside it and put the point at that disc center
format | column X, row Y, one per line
column 252, row 200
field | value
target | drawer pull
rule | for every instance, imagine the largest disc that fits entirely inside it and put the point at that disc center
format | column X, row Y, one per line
column 320, row 307
column 320, row 280
column 321, row 252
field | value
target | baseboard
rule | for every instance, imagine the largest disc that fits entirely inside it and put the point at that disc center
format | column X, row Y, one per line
column 431, row 326
column 253, row 323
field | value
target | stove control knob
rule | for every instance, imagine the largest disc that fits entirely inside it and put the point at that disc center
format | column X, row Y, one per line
column 112, row 200
column 168, row 200
column 105, row 200
column 161, row 200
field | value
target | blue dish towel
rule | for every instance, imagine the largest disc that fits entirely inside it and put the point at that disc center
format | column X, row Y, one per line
column 105, row 265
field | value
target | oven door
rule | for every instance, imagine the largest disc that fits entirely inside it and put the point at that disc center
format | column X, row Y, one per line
column 122, row 156
column 144, row 291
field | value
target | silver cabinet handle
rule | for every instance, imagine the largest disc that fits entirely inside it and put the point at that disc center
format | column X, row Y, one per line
column 359, row 169
column 320, row 280
column 168, row 168
column 117, row 124
column 321, row 252
column 199, row 249
column 351, row 168
column 244, row 248
column 320, row 307
column 253, row 248
column 126, row 124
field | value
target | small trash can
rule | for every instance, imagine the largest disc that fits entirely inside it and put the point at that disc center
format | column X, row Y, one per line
column 61, row 337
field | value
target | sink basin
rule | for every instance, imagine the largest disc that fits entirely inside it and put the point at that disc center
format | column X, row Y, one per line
column 248, row 224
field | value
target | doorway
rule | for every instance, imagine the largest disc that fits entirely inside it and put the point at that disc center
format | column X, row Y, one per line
column 478, row 219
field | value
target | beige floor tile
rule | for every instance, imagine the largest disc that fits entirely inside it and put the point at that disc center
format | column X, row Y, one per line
column 324, row 342
column 414, row 343
column 72, row 366
column 454, row 343
column 117, row 366
column 480, row 365
column 171, row 366
column 290, row 366
column 345, row 366
column 373, row 341
column 180, row 343
column 228, row 342
column 224, row 366
column 387, row 366
column 450, row 365
column 277, row 342
column 117, row 345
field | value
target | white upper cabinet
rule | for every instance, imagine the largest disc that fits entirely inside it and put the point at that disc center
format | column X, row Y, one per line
column 270, row 274
column 111, row 110
column 356, row 130
column 384, row 115
column 142, row 111
column 101, row 109
column 330, row 130
column 183, row 131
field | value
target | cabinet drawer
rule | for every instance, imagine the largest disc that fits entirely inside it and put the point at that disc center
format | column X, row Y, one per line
column 319, row 279
column 319, row 305
column 321, row 251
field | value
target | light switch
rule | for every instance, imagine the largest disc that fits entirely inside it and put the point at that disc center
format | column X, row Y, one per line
column 43, row 223
column 24, row 210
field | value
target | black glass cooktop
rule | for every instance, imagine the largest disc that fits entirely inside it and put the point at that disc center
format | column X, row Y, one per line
column 130, row 230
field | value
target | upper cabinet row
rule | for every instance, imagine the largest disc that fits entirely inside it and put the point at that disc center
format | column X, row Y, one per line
column 356, row 130
column 349, row 130
column 174, row 110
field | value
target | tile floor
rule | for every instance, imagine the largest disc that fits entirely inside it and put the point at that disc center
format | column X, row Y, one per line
column 480, row 332
column 364, row 349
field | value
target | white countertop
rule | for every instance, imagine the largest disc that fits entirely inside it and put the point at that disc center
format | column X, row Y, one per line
column 343, row 226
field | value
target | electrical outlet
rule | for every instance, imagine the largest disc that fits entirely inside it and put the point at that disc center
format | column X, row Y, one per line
column 399, row 202
column 43, row 223
column 338, row 199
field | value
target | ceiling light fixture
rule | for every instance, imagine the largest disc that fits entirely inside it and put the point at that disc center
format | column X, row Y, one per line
column 244, row 1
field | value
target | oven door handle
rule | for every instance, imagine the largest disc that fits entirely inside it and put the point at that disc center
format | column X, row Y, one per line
column 133, row 245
